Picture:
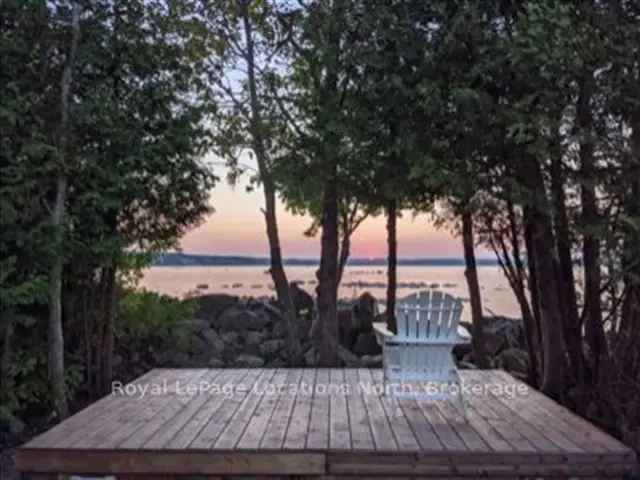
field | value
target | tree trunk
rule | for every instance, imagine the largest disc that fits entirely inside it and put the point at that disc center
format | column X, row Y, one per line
column 6, row 336
column 471, row 274
column 531, row 331
column 278, row 274
column 392, row 265
column 111, row 302
column 594, row 328
column 328, row 274
column 544, row 250
column 629, row 329
column 566, row 278
column 345, row 246
column 533, row 284
column 55, row 333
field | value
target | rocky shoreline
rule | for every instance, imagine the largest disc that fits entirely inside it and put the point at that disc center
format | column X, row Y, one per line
column 230, row 331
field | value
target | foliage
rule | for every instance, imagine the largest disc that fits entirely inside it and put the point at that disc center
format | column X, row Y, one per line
column 146, row 315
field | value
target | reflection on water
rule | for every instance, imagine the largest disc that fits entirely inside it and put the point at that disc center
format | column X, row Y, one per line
column 255, row 281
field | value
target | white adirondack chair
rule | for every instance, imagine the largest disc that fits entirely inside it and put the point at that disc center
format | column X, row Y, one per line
column 421, row 352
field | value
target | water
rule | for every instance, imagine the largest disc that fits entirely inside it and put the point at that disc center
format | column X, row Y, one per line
column 255, row 281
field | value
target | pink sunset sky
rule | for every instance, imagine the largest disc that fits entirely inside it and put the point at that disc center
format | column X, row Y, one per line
column 237, row 228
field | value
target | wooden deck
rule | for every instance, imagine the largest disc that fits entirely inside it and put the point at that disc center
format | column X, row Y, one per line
column 322, row 422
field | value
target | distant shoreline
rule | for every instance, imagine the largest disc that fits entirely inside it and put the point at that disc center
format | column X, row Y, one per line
column 200, row 260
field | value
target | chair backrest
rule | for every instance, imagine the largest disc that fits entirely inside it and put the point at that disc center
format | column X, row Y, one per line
column 428, row 315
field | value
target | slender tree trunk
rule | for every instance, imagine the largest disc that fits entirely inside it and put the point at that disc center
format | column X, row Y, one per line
column 531, row 330
column 629, row 329
column 6, row 336
column 594, row 328
column 392, row 264
column 278, row 274
column 565, row 273
column 533, row 284
column 471, row 274
column 328, row 274
column 544, row 250
column 345, row 246
column 111, row 302
column 55, row 333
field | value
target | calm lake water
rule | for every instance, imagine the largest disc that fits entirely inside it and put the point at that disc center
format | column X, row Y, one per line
column 255, row 281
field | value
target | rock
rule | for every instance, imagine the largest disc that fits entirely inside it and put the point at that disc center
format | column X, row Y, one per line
column 214, row 341
column 211, row 306
column 372, row 361
column 202, row 286
column 200, row 324
column 348, row 358
column 467, row 366
column 215, row 362
column 366, row 344
column 231, row 340
column 493, row 343
column 302, row 301
column 279, row 330
column 364, row 312
column 347, row 334
column 514, row 360
column 179, row 359
column 271, row 347
column 241, row 319
column 311, row 357
column 459, row 351
column 248, row 361
column 510, row 329
column 277, row 363
column 254, row 339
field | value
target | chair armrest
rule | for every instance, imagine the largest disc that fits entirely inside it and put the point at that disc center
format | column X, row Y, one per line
column 463, row 335
column 382, row 332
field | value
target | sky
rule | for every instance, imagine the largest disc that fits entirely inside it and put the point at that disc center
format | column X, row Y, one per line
column 237, row 228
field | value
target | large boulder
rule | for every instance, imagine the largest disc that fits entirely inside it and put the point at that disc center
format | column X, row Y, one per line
column 271, row 347
column 211, row 306
column 364, row 313
column 366, row 344
column 514, row 360
column 239, row 319
column 248, row 361
column 347, row 334
column 213, row 341
column 253, row 339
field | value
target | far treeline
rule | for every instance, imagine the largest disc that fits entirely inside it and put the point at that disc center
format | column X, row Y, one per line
column 516, row 124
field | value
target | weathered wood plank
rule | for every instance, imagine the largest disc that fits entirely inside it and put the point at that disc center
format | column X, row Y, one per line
column 339, row 433
column 444, row 431
column 260, row 419
column 133, row 411
column 296, row 436
column 163, row 435
column 462, row 427
column 197, row 422
column 279, row 422
column 318, row 435
column 359, row 423
column 383, row 436
column 170, row 462
column 138, row 433
column 65, row 433
column 238, row 423
column 230, row 402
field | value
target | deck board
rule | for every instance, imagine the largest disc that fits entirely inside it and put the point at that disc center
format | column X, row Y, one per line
column 323, row 421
